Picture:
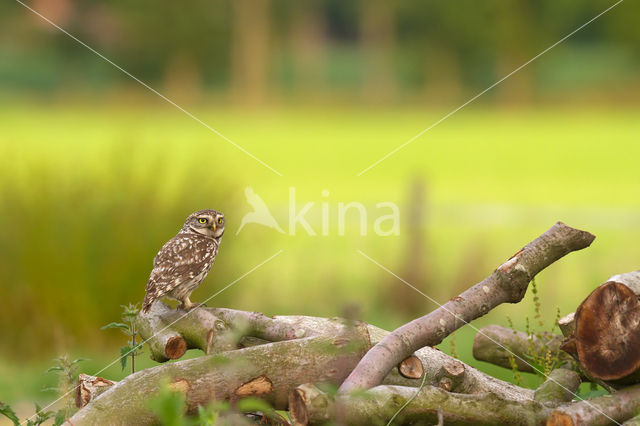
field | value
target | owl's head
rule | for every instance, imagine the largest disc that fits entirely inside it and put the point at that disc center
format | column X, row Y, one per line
column 206, row 222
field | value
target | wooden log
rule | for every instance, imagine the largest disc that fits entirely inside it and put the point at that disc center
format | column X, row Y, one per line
column 266, row 371
column 170, row 332
column 495, row 343
column 90, row 387
column 603, row 410
column 606, row 332
column 310, row 406
column 507, row 284
column 560, row 386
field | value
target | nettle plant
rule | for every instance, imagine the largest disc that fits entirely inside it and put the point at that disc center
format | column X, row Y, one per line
column 128, row 327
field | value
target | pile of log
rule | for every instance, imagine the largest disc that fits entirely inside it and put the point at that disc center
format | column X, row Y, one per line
column 291, row 362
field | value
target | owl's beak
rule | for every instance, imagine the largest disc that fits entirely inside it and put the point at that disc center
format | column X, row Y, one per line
column 213, row 227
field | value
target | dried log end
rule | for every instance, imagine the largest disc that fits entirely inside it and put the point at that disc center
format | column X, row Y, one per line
column 560, row 419
column 258, row 387
column 176, row 347
column 411, row 367
column 89, row 387
column 607, row 332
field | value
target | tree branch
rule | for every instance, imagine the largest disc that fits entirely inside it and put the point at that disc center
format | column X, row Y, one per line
column 310, row 406
column 508, row 283
column 617, row 407
column 494, row 343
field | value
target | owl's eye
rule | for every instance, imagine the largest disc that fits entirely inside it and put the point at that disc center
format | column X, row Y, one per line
column 220, row 220
column 202, row 220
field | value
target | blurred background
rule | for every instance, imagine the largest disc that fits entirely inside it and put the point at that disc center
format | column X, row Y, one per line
column 97, row 172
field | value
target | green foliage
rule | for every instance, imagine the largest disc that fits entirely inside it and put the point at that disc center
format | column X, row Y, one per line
column 8, row 412
column 170, row 407
column 67, row 371
column 517, row 377
column 128, row 327
column 38, row 418
column 541, row 358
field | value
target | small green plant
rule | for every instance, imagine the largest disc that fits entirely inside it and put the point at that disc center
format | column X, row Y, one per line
column 37, row 419
column 66, row 370
column 517, row 377
column 128, row 327
column 539, row 356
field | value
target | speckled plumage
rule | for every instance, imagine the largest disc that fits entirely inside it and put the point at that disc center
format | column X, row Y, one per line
column 185, row 260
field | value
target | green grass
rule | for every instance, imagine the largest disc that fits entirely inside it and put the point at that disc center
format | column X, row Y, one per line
column 89, row 193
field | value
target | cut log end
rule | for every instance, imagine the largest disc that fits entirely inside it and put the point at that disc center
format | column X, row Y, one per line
column 606, row 335
column 176, row 347
column 411, row 368
column 560, row 419
column 89, row 387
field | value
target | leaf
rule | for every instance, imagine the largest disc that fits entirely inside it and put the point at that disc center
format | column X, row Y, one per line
column 54, row 368
column 77, row 360
column 124, row 354
column 115, row 325
column 8, row 412
column 61, row 417
column 254, row 404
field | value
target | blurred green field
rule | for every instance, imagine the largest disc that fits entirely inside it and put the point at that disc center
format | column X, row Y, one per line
column 89, row 193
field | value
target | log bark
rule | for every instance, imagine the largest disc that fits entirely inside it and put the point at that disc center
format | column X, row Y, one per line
column 441, row 369
column 254, row 328
column 267, row 371
column 310, row 406
column 89, row 388
column 493, row 343
column 508, row 283
column 604, row 410
column 560, row 386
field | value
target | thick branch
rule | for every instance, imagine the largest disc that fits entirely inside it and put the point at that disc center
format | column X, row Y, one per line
column 560, row 386
column 267, row 371
column 89, row 388
column 494, row 343
column 170, row 332
column 508, row 283
column 603, row 410
column 310, row 406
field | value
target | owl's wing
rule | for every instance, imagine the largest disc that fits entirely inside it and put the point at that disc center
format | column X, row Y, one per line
column 180, row 260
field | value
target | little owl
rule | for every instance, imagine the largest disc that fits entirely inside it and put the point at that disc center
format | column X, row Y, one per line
column 184, row 261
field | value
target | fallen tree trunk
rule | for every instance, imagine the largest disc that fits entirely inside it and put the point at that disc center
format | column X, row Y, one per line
column 308, row 405
column 508, row 283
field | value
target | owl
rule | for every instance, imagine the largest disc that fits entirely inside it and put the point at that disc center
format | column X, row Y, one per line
column 185, row 260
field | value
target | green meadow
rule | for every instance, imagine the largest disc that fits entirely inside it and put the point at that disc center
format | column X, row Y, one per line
column 89, row 193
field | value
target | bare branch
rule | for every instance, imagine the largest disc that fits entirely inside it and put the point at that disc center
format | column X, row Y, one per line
column 508, row 283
